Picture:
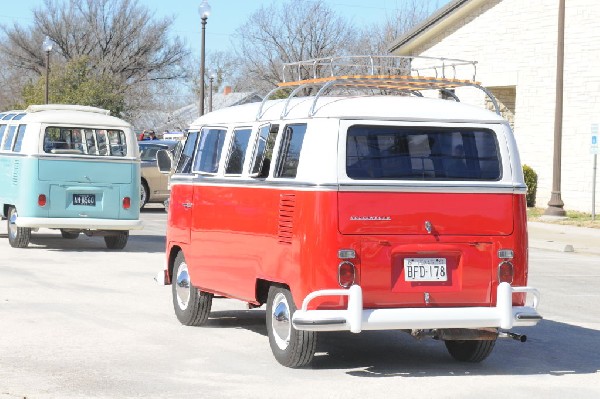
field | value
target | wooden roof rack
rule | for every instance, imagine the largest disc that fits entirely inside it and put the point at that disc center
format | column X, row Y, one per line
column 399, row 74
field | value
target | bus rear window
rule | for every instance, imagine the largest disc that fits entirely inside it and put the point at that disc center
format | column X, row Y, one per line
column 81, row 141
column 421, row 153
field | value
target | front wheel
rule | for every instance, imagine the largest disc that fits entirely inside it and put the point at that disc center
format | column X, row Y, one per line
column 470, row 351
column 291, row 347
column 192, row 306
column 18, row 237
column 117, row 241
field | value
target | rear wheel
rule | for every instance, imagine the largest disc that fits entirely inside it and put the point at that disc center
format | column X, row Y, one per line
column 291, row 347
column 71, row 235
column 18, row 237
column 117, row 241
column 144, row 193
column 470, row 351
column 191, row 305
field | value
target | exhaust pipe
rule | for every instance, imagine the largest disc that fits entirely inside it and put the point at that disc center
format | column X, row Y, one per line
column 516, row 337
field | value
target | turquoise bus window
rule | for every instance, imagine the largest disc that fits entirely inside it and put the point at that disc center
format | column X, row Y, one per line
column 8, row 116
column 18, row 117
column 19, row 140
column 102, row 139
column 9, row 138
column 90, row 142
column 81, row 141
column 2, row 129
column 118, row 144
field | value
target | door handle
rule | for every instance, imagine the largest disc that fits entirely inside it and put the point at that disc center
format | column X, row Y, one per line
column 187, row 205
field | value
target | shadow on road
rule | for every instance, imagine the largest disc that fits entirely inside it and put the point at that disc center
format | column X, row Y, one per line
column 252, row 320
column 552, row 348
column 54, row 242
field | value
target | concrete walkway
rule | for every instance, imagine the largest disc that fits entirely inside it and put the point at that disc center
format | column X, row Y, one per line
column 558, row 237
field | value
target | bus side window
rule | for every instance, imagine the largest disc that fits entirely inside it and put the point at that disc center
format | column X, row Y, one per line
column 263, row 151
column 117, row 142
column 9, row 138
column 237, row 151
column 289, row 152
column 187, row 154
column 209, row 150
column 2, row 130
column 19, row 140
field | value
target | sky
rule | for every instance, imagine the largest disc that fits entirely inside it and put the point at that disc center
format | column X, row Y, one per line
column 226, row 16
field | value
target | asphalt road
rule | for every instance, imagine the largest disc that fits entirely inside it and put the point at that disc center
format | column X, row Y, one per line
column 78, row 321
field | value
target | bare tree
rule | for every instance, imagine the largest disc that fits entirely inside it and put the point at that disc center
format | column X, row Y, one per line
column 121, row 38
column 286, row 32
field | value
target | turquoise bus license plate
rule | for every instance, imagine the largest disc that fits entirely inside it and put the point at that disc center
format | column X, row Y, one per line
column 84, row 199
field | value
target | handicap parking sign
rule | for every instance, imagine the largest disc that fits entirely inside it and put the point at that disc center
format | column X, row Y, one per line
column 594, row 144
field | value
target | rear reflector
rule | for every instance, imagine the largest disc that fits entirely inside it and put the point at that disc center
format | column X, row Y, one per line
column 346, row 274
column 346, row 254
column 506, row 254
column 126, row 203
column 42, row 200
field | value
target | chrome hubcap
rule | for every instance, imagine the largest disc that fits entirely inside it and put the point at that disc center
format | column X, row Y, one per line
column 183, row 286
column 280, row 321
column 12, row 227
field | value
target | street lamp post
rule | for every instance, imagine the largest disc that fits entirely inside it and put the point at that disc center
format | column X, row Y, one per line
column 204, row 10
column 47, row 47
column 556, row 204
column 210, row 94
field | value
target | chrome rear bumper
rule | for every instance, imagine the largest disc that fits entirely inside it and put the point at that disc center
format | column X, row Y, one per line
column 356, row 319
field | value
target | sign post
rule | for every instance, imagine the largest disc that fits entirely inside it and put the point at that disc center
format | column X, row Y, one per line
column 594, row 149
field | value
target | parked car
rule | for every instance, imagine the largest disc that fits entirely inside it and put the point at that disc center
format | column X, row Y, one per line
column 154, row 185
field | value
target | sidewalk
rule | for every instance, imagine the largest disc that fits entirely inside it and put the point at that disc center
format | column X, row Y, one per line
column 557, row 237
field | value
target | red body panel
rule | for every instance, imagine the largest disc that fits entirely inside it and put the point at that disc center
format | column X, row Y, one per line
column 241, row 234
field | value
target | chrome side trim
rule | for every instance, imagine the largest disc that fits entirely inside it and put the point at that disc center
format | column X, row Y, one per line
column 387, row 187
column 86, row 158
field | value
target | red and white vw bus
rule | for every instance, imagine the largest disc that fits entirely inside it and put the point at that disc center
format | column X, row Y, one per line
column 354, row 213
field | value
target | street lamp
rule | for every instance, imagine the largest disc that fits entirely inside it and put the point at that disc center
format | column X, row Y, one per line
column 211, row 77
column 204, row 11
column 47, row 47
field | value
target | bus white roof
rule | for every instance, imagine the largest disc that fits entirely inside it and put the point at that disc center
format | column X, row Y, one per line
column 66, row 107
column 73, row 115
column 406, row 108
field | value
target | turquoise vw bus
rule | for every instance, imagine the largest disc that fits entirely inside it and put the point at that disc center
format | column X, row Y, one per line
column 68, row 167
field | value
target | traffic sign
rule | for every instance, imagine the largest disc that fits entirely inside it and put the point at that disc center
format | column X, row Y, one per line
column 595, row 143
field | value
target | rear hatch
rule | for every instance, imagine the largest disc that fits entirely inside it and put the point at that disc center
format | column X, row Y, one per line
column 85, row 189
column 428, row 205
column 426, row 249
column 401, row 262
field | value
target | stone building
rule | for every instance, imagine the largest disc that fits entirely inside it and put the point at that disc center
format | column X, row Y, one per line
column 515, row 45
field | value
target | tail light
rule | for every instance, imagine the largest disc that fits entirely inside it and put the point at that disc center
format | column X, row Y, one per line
column 42, row 200
column 506, row 270
column 346, row 269
column 346, row 274
column 126, row 203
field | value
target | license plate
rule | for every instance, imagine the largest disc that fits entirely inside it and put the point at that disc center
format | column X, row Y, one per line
column 425, row 269
column 84, row 199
